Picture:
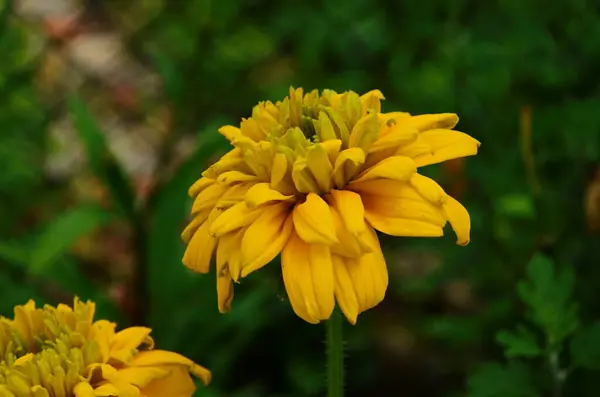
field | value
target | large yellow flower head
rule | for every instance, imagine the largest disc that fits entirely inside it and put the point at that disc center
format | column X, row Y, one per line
column 62, row 352
column 312, row 177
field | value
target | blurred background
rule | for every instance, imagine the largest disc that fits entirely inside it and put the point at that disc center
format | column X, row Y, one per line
column 109, row 110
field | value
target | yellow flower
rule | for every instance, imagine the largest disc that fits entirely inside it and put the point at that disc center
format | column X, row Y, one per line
column 312, row 177
column 62, row 352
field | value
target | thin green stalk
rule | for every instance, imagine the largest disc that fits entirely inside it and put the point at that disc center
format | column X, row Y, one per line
column 335, row 355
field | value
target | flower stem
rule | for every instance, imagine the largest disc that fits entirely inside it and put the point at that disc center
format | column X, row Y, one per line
column 335, row 355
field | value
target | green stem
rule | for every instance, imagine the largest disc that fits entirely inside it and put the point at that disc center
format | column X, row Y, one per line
column 335, row 355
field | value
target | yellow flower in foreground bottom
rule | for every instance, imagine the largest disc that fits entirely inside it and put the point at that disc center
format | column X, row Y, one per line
column 62, row 352
column 312, row 177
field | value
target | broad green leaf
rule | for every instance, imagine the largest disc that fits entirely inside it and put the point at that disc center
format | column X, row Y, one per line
column 547, row 294
column 100, row 159
column 14, row 253
column 585, row 347
column 519, row 343
column 495, row 380
column 61, row 232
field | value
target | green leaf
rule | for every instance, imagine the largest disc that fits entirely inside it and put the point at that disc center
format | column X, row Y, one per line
column 547, row 293
column 519, row 343
column 585, row 348
column 58, row 236
column 495, row 380
column 100, row 159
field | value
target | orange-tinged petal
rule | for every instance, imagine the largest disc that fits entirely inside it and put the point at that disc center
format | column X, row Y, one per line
column 164, row 357
column 234, row 218
column 459, row 219
column 262, row 193
column 265, row 238
column 350, row 207
column 446, row 145
column 313, row 221
column 199, row 250
column 396, row 168
column 308, row 277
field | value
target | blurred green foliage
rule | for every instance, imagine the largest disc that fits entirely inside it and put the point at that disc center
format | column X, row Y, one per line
column 522, row 77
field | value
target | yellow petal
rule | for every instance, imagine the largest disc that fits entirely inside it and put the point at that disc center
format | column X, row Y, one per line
column 265, row 238
column 281, row 179
column 141, row 376
column 424, row 122
column 406, row 203
column 177, row 383
column 39, row 391
column 130, row 338
column 234, row 218
column 194, row 224
column 332, row 147
column 229, row 253
column 231, row 177
column 208, row 198
column 368, row 274
column 82, row 389
column 398, row 135
column 344, row 288
column 164, row 357
column 262, row 193
column 446, row 145
column 365, row 132
column 395, row 168
column 324, row 128
column 428, row 188
column 308, row 278
column 371, row 100
column 230, row 132
column 232, row 160
column 251, row 128
column 347, row 165
column 320, row 167
column 313, row 221
column 224, row 282
column 233, row 195
column 199, row 186
column 199, row 250
column 414, row 150
column 350, row 245
column 303, row 178
column 459, row 219
column 350, row 207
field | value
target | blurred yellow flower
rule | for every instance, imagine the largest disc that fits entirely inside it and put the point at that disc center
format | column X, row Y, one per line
column 62, row 352
column 312, row 177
